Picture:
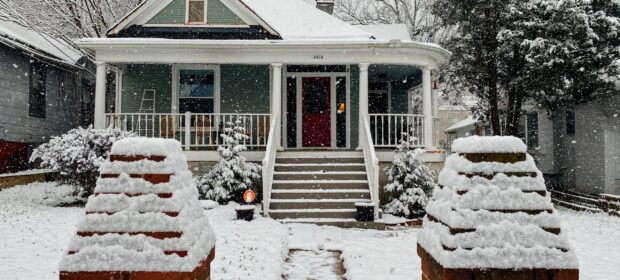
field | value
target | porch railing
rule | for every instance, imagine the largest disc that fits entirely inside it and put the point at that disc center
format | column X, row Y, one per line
column 194, row 131
column 372, row 164
column 388, row 130
column 269, row 164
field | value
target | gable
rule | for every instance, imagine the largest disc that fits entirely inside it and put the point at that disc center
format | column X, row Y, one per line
column 217, row 14
column 236, row 20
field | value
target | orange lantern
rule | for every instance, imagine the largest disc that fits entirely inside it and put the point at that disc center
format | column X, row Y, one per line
column 249, row 196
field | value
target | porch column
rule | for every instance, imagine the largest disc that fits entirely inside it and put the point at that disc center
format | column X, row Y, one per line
column 100, row 88
column 363, row 110
column 427, row 104
column 276, row 100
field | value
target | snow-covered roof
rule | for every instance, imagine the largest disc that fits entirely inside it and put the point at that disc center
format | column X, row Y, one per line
column 37, row 43
column 296, row 19
column 469, row 121
column 288, row 19
column 387, row 31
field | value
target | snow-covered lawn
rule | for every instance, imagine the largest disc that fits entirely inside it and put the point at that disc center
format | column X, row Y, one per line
column 35, row 235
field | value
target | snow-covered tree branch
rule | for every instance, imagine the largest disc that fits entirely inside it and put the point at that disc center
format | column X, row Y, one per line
column 422, row 25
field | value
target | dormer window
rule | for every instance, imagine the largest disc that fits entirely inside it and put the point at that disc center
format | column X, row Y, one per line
column 196, row 12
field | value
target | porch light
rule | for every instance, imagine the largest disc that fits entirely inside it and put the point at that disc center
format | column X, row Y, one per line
column 435, row 85
column 341, row 108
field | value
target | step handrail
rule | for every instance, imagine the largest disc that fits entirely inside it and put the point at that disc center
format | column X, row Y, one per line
column 372, row 164
column 269, row 164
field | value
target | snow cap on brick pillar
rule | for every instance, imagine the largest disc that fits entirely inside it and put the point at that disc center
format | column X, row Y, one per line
column 491, row 215
column 144, row 221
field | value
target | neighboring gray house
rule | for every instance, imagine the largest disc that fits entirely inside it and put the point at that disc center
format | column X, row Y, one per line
column 44, row 92
column 577, row 150
column 586, row 152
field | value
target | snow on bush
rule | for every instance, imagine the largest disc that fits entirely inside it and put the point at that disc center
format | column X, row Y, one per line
column 77, row 155
column 410, row 180
column 232, row 175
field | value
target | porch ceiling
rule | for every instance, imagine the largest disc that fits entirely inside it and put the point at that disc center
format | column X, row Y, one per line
column 129, row 50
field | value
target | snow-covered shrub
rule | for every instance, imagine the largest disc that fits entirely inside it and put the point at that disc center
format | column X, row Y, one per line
column 77, row 155
column 411, row 182
column 232, row 175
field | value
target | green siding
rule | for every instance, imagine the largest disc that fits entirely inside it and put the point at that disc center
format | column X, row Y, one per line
column 139, row 77
column 174, row 13
column 244, row 88
column 355, row 82
column 217, row 14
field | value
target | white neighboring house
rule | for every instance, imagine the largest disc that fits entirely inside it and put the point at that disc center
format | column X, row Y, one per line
column 463, row 128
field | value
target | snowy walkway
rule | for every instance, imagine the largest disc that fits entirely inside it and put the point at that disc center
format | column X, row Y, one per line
column 313, row 265
column 35, row 235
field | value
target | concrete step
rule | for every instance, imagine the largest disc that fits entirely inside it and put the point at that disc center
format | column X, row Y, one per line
column 327, row 167
column 307, row 160
column 320, row 175
column 313, row 213
column 320, row 194
column 343, row 223
column 320, row 184
column 315, row 203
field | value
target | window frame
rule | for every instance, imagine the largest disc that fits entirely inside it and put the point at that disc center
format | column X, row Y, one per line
column 187, row 5
column 571, row 126
column 525, row 133
column 176, row 84
column 41, row 69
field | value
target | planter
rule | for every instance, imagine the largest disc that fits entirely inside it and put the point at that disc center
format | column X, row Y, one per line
column 365, row 211
column 245, row 212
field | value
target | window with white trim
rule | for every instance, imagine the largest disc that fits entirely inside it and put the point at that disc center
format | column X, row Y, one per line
column 197, row 91
column 196, row 11
column 528, row 129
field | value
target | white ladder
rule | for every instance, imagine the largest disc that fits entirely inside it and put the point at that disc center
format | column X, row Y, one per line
column 147, row 106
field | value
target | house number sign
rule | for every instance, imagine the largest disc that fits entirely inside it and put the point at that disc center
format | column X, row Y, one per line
column 318, row 57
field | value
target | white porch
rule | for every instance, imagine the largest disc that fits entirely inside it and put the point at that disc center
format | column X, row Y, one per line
column 199, row 131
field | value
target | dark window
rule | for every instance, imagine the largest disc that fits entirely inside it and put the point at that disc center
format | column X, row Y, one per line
column 88, row 103
column 316, row 97
column 341, row 112
column 532, row 130
column 37, row 96
column 291, row 112
column 570, row 122
column 196, row 93
column 528, row 130
column 378, row 98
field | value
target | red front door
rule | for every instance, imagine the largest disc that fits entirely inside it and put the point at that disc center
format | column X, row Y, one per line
column 316, row 115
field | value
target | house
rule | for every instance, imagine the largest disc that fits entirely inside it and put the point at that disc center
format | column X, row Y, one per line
column 463, row 128
column 586, row 147
column 576, row 149
column 44, row 92
column 312, row 91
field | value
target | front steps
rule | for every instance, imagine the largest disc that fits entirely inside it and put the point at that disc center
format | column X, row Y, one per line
column 319, row 188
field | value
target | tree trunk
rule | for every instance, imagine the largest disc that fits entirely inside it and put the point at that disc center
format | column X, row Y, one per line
column 493, row 98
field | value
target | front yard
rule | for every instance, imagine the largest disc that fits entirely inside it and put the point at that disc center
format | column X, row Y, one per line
column 35, row 235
